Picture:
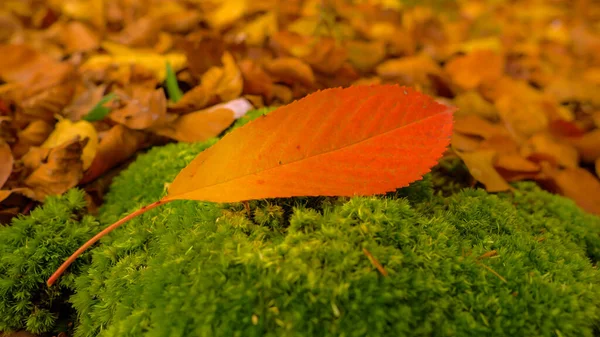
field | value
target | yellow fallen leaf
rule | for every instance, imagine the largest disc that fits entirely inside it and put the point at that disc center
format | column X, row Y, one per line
column 227, row 13
column 260, row 28
column 471, row 103
column 412, row 69
column 123, row 56
column 225, row 82
column 66, row 130
column 470, row 70
column 197, row 126
column 487, row 43
column 577, row 184
column 481, row 166
column 544, row 146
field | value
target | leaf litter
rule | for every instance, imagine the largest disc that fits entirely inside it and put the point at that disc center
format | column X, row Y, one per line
column 527, row 103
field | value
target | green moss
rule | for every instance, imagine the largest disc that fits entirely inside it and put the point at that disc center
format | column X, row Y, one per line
column 296, row 267
column 31, row 248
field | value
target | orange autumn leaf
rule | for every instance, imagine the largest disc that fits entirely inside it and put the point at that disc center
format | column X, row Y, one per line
column 470, row 70
column 360, row 140
column 6, row 162
column 197, row 126
column 481, row 167
column 577, row 184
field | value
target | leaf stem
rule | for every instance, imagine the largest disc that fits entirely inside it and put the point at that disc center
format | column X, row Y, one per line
column 98, row 236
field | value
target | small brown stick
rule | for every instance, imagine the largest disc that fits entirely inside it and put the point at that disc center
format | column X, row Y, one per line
column 98, row 236
column 247, row 207
column 375, row 262
column 488, row 254
column 492, row 271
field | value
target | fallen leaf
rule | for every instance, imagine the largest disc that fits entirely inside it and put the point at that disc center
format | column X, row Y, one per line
column 471, row 103
column 203, row 51
column 6, row 162
column 577, row 184
column 481, row 167
column 196, row 98
column 290, row 70
column 47, row 104
column 227, row 13
column 465, row 143
column 65, row 131
column 256, row 79
column 257, row 30
column 144, row 108
column 264, row 163
column 502, row 143
column 474, row 125
column 515, row 162
column 545, row 146
column 521, row 117
column 78, row 37
column 410, row 70
column 364, row 56
column 223, row 82
column 123, row 56
column 470, row 70
column 33, row 135
column 84, row 101
column 61, row 170
column 4, row 194
column 598, row 167
column 32, row 70
column 142, row 32
column 197, row 126
column 116, row 145
column 587, row 145
column 181, row 21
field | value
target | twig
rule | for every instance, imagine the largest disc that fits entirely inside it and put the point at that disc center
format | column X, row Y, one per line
column 375, row 262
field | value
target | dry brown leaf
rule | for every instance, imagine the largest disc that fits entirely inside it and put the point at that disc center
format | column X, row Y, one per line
column 481, row 166
column 225, row 82
column 32, row 70
column 4, row 194
column 577, row 184
column 476, row 126
column 33, row 135
column 140, row 33
column 256, row 80
column 47, row 104
column 144, row 108
column 409, row 70
column 323, row 54
column 282, row 93
column 6, row 162
column 116, row 145
column 290, row 70
column 598, row 167
column 587, row 145
column 203, row 51
column 60, row 170
column 78, row 37
column 84, row 101
column 197, row 126
column 542, row 145
column 197, row 98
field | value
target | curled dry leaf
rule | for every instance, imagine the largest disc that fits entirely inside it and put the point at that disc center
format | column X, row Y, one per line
column 290, row 70
column 61, row 170
column 256, row 79
column 515, row 162
column 478, row 66
column 196, row 98
column 465, row 143
column 481, row 167
column 116, row 145
column 144, row 108
column 203, row 51
column 6, row 162
column 225, row 82
column 503, row 144
column 33, row 135
column 65, row 131
column 197, row 126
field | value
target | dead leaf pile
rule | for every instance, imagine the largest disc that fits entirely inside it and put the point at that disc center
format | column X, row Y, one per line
column 84, row 82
